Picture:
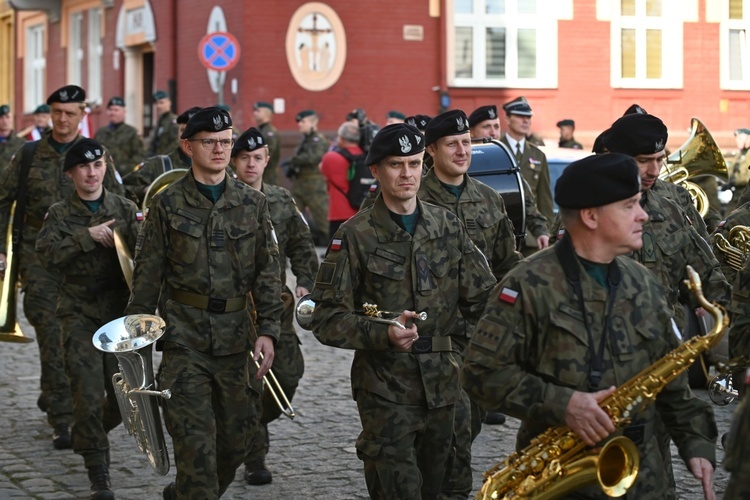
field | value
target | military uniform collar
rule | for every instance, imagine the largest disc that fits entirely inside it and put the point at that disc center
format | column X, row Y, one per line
column 434, row 188
column 229, row 199
column 79, row 208
column 388, row 231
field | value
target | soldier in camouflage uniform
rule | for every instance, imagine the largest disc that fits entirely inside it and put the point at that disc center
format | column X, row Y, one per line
column 9, row 142
column 263, row 114
column 740, row 216
column 47, row 184
column 534, row 356
column 77, row 240
column 137, row 182
column 122, row 140
column 483, row 213
column 484, row 123
column 207, row 242
column 309, row 188
column 164, row 136
column 251, row 157
column 530, row 159
column 738, row 449
column 567, row 128
column 404, row 256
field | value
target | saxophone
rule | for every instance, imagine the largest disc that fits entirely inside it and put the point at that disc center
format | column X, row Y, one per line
column 558, row 462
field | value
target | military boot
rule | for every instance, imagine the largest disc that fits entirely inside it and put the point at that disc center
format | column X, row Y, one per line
column 170, row 492
column 61, row 438
column 256, row 473
column 100, row 487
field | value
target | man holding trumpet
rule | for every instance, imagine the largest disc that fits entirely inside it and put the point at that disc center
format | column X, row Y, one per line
column 410, row 257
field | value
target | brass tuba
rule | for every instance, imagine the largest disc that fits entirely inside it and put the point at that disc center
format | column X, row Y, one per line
column 130, row 338
column 699, row 156
column 736, row 247
column 10, row 330
column 557, row 462
column 161, row 183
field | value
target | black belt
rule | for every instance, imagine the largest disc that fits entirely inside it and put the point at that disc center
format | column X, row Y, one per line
column 426, row 345
column 211, row 304
column 95, row 283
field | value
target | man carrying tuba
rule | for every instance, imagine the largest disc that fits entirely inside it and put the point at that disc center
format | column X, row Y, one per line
column 77, row 239
column 568, row 325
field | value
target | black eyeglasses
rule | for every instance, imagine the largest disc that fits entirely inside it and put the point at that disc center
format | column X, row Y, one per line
column 210, row 144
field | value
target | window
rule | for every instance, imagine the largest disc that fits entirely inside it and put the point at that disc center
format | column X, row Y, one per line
column 94, row 89
column 647, row 44
column 735, row 51
column 503, row 43
column 34, row 68
column 75, row 49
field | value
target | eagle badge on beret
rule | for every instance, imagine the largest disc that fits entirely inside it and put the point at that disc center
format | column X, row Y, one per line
column 251, row 143
column 491, row 114
column 459, row 124
column 405, row 144
column 217, row 122
column 89, row 155
column 659, row 145
column 63, row 95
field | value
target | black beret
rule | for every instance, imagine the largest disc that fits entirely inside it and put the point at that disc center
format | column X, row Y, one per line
column 420, row 122
column 566, row 123
column 482, row 113
column 66, row 94
column 207, row 120
column 518, row 106
column 597, row 180
column 452, row 122
column 116, row 101
column 599, row 147
column 42, row 108
column 305, row 113
column 4, row 110
column 742, row 131
column 636, row 134
column 185, row 116
column 160, row 94
column 395, row 114
column 263, row 104
column 635, row 109
column 397, row 139
column 250, row 140
column 83, row 151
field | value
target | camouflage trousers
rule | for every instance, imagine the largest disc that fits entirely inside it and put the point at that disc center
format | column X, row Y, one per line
column 90, row 372
column 405, row 448
column 310, row 191
column 207, row 417
column 467, row 424
column 41, row 288
column 736, row 460
column 288, row 367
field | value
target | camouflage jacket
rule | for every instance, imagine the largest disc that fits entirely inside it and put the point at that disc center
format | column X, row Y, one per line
column 309, row 153
column 535, row 171
column 570, row 143
column 740, row 216
column 47, row 184
column 293, row 233
column 483, row 213
column 682, row 199
column 8, row 148
column 164, row 136
column 64, row 244
column 530, row 349
column 124, row 144
column 439, row 270
column 136, row 182
column 273, row 140
column 670, row 243
column 739, row 308
column 222, row 250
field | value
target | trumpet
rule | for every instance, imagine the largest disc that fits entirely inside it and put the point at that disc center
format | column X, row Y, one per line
column 306, row 306
column 278, row 395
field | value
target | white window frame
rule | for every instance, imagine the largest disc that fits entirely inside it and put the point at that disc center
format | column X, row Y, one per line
column 670, row 23
column 75, row 49
column 94, row 59
column 35, row 67
column 726, row 25
column 544, row 22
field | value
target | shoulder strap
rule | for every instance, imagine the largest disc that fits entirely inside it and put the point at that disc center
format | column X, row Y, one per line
column 27, row 154
column 166, row 163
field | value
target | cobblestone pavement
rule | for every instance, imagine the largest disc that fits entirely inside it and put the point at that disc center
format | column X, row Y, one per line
column 311, row 456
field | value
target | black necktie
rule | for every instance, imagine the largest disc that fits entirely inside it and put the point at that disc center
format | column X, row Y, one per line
column 519, row 153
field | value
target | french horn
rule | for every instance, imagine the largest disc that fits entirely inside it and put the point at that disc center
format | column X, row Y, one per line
column 161, row 183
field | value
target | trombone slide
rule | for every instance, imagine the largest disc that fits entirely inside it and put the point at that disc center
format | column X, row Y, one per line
column 276, row 393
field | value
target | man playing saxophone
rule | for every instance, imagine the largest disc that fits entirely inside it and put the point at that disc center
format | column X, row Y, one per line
column 571, row 323
column 77, row 239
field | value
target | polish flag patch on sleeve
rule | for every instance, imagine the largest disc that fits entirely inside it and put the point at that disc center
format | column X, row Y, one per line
column 336, row 244
column 139, row 216
column 508, row 295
